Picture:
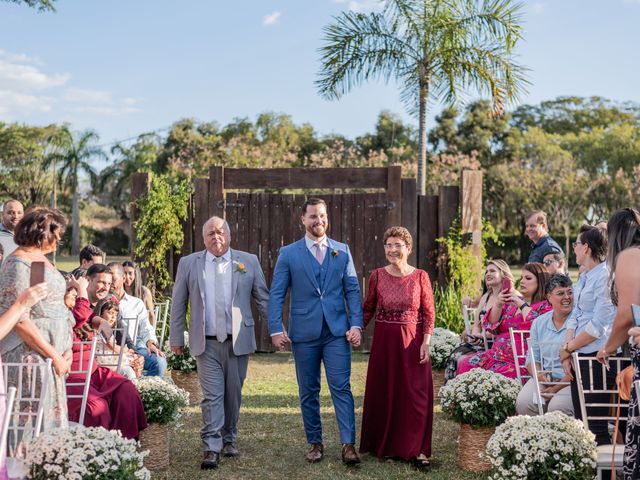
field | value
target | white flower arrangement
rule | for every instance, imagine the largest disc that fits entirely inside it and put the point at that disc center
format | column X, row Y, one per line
column 548, row 447
column 162, row 399
column 80, row 453
column 443, row 342
column 480, row 397
column 184, row 363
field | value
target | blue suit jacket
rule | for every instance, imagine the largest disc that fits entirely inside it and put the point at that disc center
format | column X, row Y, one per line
column 338, row 301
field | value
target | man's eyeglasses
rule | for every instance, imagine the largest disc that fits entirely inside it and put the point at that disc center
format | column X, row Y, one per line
column 563, row 293
column 549, row 262
column 575, row 244
column 397, row 246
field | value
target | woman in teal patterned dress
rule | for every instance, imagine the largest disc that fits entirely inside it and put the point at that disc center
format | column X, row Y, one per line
column 46, row 333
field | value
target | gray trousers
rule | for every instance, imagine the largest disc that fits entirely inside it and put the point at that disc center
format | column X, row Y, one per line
column 526, row 402
column 221, row 374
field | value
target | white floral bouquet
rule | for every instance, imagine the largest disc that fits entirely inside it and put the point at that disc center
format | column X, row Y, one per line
column 162, row 399
column 184, row 363
column 548, row 447
column 80, row 453
column 443, row 342
column 480, row 398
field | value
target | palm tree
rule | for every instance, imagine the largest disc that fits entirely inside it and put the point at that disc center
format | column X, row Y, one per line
column 72, row 158
column 435, row 49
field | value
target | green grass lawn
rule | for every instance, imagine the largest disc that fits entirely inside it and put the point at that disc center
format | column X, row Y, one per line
column 272, row 442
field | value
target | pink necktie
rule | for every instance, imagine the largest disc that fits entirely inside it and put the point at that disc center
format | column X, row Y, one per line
column 319, row 255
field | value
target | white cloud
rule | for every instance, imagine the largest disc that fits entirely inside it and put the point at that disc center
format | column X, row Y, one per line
column 538, row 8
column 271, row 19
column 361, row 6
column 26, row 88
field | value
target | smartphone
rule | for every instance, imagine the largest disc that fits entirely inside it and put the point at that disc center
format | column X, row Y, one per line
column 635, row 311
column 37, row 273
column 506, row 285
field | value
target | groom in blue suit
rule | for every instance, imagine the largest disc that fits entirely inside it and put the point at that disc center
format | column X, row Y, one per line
column 325, row 320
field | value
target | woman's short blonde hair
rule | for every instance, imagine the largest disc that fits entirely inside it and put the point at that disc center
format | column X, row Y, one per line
column 398, row 232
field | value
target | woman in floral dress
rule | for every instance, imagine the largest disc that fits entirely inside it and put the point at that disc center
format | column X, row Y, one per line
column 512, row 310
column 47, row 332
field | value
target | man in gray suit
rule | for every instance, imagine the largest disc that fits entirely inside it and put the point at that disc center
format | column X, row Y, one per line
column 219, row 283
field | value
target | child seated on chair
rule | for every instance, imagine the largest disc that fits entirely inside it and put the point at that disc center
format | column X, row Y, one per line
column 108, row 341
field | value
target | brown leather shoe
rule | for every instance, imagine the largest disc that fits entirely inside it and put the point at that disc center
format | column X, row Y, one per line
column 315, row 454
column 349, row 454
column 210, row 460
column 230, row 450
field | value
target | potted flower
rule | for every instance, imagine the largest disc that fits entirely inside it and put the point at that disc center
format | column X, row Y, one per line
column 162, row 402
column 80, row 452
column 443, row 342
column 184, row 371
column 480, row 400
column 548, row 447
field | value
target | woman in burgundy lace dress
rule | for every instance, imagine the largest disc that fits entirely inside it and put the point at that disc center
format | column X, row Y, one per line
column 397, row 415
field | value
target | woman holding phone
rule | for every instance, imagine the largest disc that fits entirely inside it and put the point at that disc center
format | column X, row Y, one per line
column 46, row 333
column 515, row 310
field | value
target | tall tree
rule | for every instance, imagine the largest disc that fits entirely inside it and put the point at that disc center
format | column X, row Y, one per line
column 42, row 5
column 434, row 48
column 73, row 158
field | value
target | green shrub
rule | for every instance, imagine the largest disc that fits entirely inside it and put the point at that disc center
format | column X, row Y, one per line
column 448, row 302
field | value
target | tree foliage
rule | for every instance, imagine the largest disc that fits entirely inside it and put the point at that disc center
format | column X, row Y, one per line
column 41, row 5
column 159, row 226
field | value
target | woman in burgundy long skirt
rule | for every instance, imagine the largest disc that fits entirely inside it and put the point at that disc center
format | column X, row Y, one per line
column 397, row 415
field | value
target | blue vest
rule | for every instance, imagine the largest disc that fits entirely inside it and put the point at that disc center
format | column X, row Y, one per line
column 320, row 271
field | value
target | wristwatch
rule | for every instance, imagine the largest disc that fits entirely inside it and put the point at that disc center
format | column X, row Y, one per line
column 523, row 306
column 566, row 348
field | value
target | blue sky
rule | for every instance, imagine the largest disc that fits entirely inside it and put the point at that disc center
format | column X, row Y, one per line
column 126, row 67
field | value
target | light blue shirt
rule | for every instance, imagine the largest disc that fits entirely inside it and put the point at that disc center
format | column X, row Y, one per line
column 224, row 265
column 545, row 341
column 593, row 311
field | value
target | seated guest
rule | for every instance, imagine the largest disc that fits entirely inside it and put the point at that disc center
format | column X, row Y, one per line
column 114, row 402
column 512, row 310
column 547, row 335
column 146, row 342
column 134, row 287
column 108, row 310
column 555, row 261
column 90, row 255
column 495, row 272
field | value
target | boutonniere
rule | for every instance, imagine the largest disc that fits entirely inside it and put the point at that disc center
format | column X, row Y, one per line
column 334, row 253
column 240, row 267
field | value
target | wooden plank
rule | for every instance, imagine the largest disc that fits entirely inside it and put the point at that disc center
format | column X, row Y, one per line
column 322, row 178
column 358, row 248
column 448, row 204
column 375, row 215
column 394, row 195
column 200, row 210
column 242, row 234
column 216, row 191
column 254, row 224
column 231, row 215
column 410, row 214
column 333, row 210
column 264, row 235
column 471, row 210
column 427, row 234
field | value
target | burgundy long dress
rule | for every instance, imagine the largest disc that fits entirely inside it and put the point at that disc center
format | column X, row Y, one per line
column 397, row 414
column 114, row 402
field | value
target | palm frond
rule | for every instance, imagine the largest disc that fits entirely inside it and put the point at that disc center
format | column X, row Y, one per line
column 360, row 47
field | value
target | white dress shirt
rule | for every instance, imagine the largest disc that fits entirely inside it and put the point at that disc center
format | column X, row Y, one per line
column 226, row 267
column 133, row 307
column 324, row 245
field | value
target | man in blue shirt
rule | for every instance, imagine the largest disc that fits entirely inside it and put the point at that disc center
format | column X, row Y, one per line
column 538, row 232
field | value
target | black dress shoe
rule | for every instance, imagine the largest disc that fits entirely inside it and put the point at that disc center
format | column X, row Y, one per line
column 210, row 460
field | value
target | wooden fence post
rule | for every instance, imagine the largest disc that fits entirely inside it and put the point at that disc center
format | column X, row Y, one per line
column 216, row 192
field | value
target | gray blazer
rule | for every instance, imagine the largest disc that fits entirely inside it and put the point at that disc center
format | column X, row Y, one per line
column 189, row 287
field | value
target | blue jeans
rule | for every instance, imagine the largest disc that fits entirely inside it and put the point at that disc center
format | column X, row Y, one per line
column 154, row 365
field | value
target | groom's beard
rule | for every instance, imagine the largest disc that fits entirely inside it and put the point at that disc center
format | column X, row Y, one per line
column 318, row 231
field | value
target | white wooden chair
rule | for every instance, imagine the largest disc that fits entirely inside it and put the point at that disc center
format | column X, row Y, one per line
column 605, row 453
column 162, row 310
column 31, row 381
column 520, row 359
column 85, row 383
column 9, row 400
column 469, row 316
column 540, row 400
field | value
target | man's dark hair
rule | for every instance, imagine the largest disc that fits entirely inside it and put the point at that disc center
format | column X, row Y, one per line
column 97, row 269
column 90, row 251
column 313, row 201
